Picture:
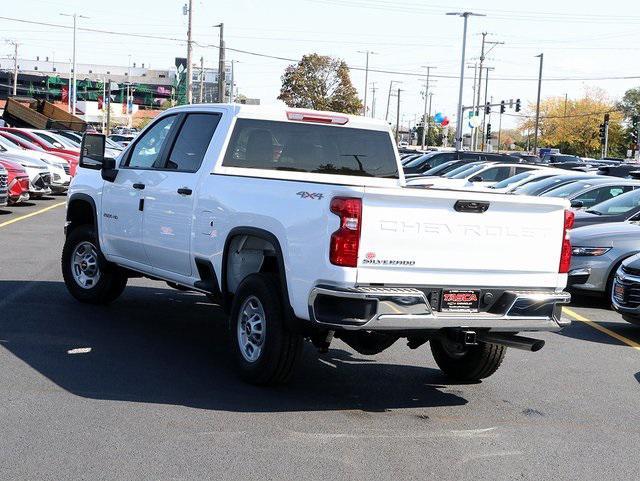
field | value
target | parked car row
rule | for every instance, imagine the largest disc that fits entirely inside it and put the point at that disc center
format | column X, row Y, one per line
column 37, row 162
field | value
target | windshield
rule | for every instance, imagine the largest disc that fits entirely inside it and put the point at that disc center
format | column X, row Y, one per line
column 307, row 147
column 538, row 186
column 112, row 145
column 419, row 160
column 465, row 172
column 462, row 168
column 21, row 143
column 568, row 189
column 442, row 168
column 617, row 205
column 511, row 180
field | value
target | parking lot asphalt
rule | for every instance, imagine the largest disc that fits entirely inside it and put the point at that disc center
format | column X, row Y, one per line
column 143, row 389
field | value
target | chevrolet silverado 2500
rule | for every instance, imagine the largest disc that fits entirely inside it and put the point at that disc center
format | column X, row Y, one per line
column 301, row 225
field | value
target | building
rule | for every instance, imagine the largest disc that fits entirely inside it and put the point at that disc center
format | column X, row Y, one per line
column 148, row 87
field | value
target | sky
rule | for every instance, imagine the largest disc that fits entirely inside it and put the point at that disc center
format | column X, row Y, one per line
column 583, row 41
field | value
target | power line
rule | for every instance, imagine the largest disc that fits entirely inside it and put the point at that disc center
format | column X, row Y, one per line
column 288, row 59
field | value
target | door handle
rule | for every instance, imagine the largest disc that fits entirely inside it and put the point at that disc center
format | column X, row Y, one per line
column 138, row 186
column 184, row 191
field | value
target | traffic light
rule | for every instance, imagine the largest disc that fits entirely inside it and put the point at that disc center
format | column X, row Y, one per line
column 606, row 118
column 517, row 105
column 502, row 107
column 601, row 134
column 487, row 108
column 634, row 137
column 634, row 121
column 488, row 132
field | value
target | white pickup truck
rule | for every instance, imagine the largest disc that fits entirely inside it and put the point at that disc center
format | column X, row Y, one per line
column 300, row 224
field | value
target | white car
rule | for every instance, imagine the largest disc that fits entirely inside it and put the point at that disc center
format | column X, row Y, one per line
column 403, row 144
column 299, row 223
column 512, row 183
column 480, row 175
column 58, row 168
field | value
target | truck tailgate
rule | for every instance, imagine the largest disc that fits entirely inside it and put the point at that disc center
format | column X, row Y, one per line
column 446, row 238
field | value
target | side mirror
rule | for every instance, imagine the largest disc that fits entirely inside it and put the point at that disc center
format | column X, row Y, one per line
column 92, row 151
column 476, row 178
column 577, row 204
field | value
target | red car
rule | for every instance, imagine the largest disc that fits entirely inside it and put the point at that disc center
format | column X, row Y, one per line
column 18, row 181
column 27, row 137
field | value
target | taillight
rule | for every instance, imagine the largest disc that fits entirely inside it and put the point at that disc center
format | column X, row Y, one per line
column 317, row 118
column 346, row 240
column 565, row 254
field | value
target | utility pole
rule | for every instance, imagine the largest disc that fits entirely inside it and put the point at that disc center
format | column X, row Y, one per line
column 473, row 102
column 606, row 135
column 499, row 129
column 427, row 121
column 201, row 99
column 373, row 99
column 221, row 62
column 15, row 68
column 386, row 115
column 535, row 134
column 72, row 93
column 565, row 103
column 233, row 81
column 398, row 119
column 484, row 115
column 484, row 35
column 189, row 54
column 465, row 15
column 426, row 95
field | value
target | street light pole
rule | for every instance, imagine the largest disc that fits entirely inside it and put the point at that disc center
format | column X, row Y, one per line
column 535, row 134
column 386, row 115
column 73, row 73
column 366, row 79
column 373, row 99
column 15, row 69
column 189, row 55
column 427, row 121
column 465, row 15
column 426, row 95
column 398, row 119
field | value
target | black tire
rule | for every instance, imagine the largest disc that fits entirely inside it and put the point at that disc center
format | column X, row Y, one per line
column 112, row 279
column 474, row 363
column 280, row 349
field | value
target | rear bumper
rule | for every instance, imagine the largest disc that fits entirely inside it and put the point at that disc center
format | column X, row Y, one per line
column 408, row 309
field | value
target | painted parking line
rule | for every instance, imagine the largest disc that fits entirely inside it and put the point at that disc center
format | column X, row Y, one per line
column 26, row 216
column 600, row 328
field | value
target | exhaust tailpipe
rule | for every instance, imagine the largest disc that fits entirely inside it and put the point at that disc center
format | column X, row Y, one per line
column 511, row 340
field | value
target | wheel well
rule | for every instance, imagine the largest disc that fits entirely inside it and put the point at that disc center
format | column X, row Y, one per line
column 79, row 212
column 247, row 254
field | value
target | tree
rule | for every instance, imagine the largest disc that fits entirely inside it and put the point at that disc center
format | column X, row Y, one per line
column 630, row 103
column 322, row 83
column 576, row 131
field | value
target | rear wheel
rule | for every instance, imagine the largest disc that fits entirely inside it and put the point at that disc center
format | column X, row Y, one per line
column 265, row 351
column 467, row 363
column 87, row 274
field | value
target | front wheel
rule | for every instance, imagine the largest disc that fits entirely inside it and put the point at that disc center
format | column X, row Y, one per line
column 87, row 274
column 265, row 351
column 467, row 363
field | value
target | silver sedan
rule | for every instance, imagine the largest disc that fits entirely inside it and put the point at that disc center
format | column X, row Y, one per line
column 597, row 251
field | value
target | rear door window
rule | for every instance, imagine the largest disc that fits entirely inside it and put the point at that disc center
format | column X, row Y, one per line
column 192, row 142
column 319, row 149
column 495, row 174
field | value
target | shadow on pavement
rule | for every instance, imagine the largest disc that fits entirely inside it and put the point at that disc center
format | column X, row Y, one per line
column 589, row 302
column 165, row 346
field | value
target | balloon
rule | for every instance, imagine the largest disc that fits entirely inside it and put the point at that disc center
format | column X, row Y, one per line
column 445, row 122
column 438, row 118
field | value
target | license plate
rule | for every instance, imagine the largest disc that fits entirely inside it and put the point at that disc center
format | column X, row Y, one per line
column 458, row 300
column 618, row 291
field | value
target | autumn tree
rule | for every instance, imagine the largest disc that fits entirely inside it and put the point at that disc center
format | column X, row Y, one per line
column 573, row 125
column 322, row 83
